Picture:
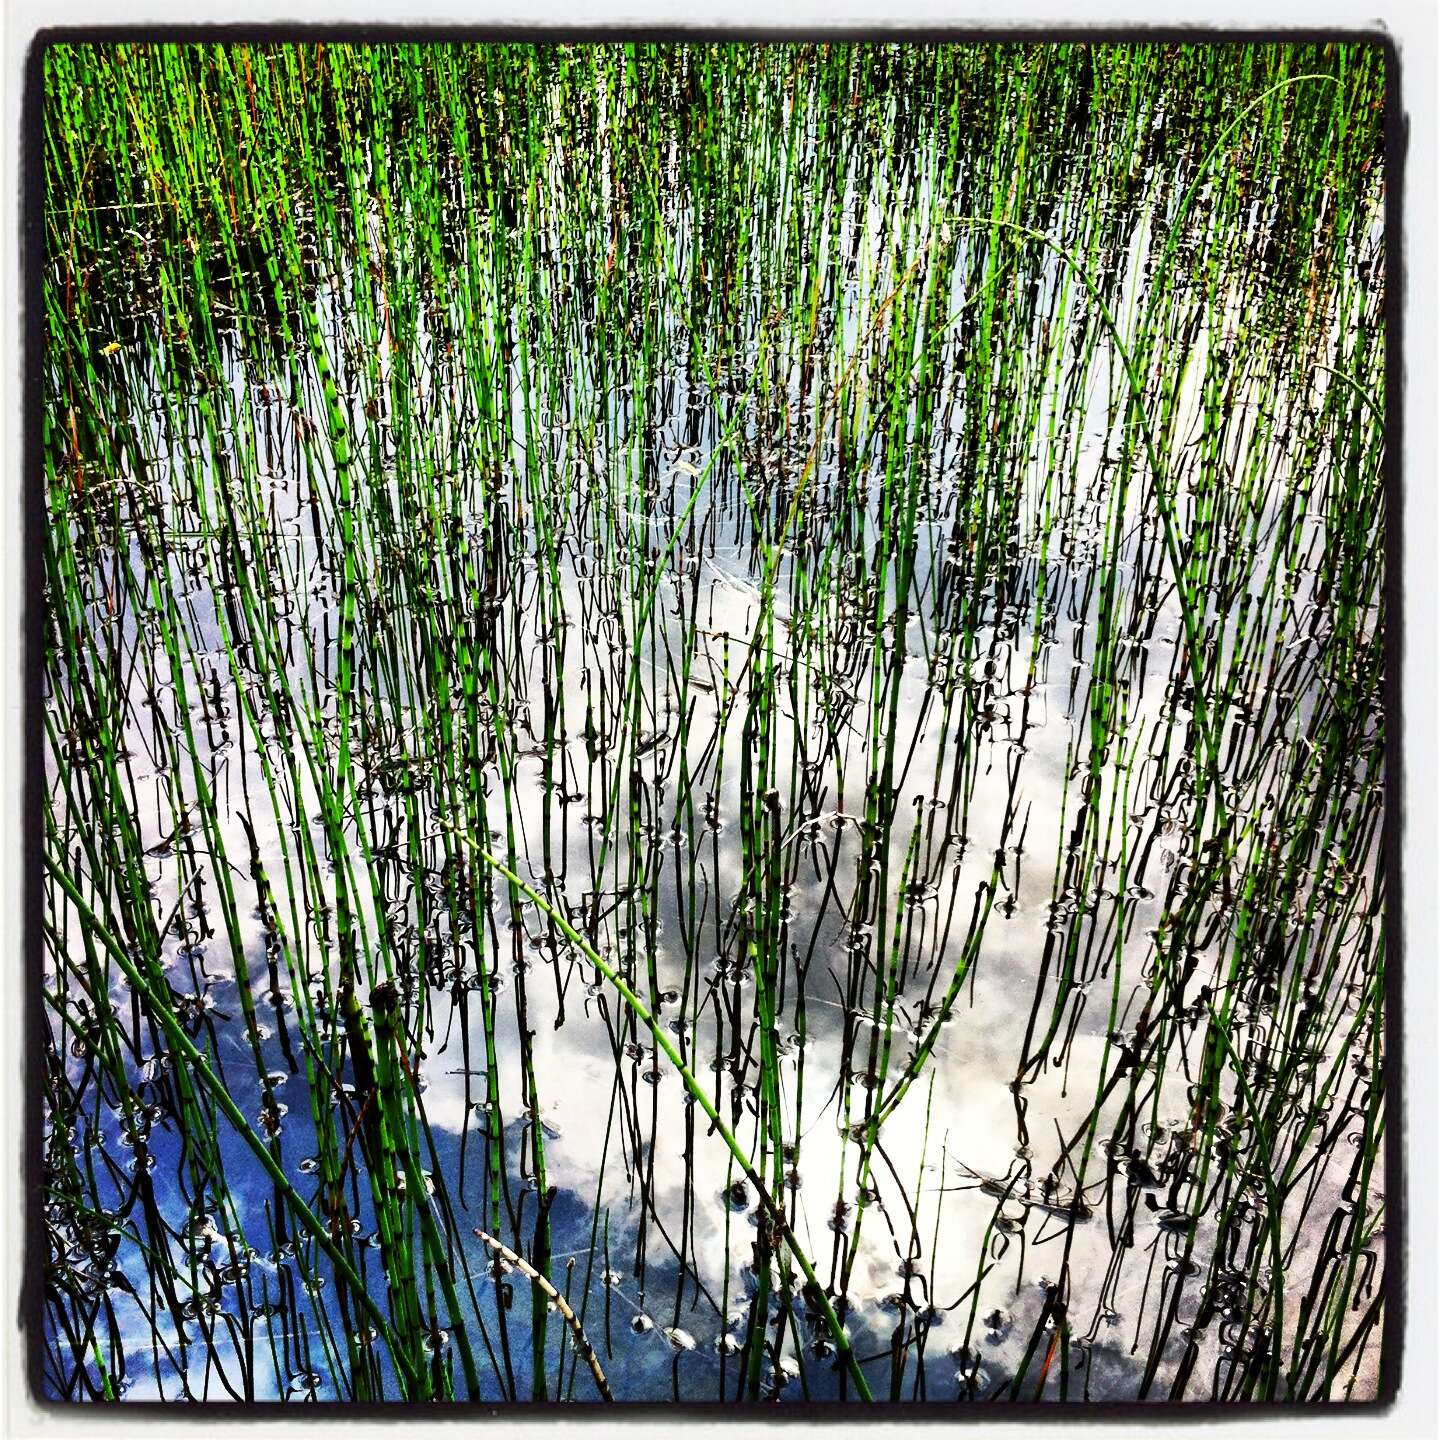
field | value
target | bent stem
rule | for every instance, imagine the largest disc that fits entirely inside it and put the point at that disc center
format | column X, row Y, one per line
column 814, row 1290
column 416, row 1381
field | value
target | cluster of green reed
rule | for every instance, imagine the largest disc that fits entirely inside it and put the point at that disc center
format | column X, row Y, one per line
column 603, row 540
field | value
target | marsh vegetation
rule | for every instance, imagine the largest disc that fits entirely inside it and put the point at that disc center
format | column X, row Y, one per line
column 713, row 723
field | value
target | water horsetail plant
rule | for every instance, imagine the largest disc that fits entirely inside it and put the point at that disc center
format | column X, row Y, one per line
column 713, row 723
